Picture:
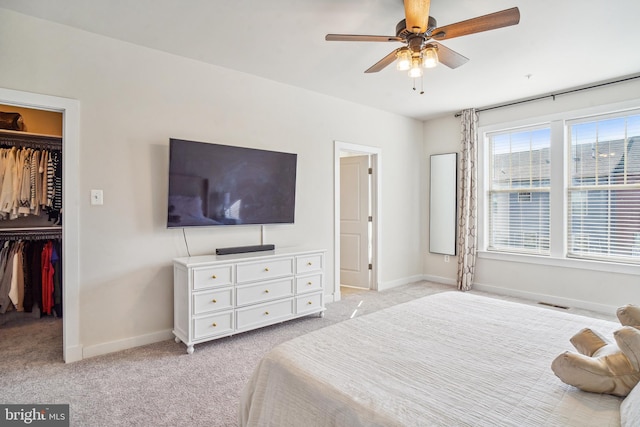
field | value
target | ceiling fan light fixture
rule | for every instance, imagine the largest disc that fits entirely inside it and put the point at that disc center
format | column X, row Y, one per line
column 404, row 59
column 430, row 57
column 416, row 69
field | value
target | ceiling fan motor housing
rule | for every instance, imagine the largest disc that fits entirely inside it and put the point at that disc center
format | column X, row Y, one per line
column 401, row 28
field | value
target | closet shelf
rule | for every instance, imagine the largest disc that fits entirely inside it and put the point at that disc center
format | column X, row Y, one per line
column 30, row 140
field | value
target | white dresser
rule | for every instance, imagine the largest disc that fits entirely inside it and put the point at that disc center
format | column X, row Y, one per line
column 218, row 296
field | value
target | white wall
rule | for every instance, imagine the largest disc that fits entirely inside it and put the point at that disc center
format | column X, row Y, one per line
column 585, row 285
column 132, row 100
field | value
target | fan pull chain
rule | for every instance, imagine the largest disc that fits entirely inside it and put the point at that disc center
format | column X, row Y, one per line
column 421, row 85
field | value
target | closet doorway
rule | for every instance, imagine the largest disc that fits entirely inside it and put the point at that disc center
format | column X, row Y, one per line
column 357, row 217
column 69, row 109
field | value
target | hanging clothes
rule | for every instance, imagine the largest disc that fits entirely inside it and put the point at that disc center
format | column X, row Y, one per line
column 30, row 182
column 30, row 250
column 56, row 262
column 16, row 292
column 31, row 276
column 5, row 278
column 47, row 278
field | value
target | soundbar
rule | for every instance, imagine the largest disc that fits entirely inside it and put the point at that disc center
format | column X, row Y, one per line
column 243, row 249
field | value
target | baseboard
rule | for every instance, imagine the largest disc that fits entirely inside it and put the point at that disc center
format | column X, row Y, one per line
column 399, row 282
column 439, row 279
column 550, row 299
column 119, row 345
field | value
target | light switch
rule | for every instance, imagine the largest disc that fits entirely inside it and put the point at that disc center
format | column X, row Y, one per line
column 96, row 197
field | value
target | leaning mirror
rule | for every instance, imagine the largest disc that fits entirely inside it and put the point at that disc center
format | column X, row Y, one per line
column 443, row 202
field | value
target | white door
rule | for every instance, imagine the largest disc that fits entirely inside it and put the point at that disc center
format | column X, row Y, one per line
column 354, row 221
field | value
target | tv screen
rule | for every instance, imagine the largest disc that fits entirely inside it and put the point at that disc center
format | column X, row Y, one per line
column 213, row 184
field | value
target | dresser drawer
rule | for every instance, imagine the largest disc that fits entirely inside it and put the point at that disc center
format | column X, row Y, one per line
column 309, row 263
column 265, row 291
column 308, row 283
column 267, row 269
column 215, row 324
column 210, row 277
column 264, row 314
column 309, row 303
column 219, row 299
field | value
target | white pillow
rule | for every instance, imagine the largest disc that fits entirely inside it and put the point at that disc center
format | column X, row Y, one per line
column 630, row 409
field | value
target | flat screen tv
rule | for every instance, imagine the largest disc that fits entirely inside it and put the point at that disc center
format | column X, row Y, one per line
column 213, row 184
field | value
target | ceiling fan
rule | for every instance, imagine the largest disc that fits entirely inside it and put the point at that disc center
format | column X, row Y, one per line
column 419, row 32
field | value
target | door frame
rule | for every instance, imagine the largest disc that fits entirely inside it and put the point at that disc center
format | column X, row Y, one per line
column 376, row 203
column 70, row 109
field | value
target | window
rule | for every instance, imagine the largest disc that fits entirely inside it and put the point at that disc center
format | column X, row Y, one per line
column 519, row 185
column 604, row 188
column 566, row 189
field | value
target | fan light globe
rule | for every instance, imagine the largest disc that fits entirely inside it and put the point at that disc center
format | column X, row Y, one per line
column 404, row 60
column 416, row 69
column 430, row 58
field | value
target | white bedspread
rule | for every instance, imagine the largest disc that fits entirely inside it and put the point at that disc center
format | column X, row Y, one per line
column 451, row 359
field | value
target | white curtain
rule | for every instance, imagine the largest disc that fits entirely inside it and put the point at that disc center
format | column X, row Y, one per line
column 467, row 216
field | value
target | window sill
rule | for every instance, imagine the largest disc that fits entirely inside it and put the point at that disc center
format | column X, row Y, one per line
column 581, row 264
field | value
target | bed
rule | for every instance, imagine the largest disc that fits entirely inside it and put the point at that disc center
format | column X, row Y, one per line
column 450, row 359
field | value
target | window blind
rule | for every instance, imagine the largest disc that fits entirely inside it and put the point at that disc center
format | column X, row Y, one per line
column 519, row 186
column 604, row 188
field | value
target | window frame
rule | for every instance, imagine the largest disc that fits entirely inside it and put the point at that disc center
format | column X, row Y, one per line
column 558, row 194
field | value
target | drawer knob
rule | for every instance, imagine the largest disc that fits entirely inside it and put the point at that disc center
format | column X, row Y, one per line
column 266, row 313
column 214, row 277
column 309, row 283
column 309, row 263
column 309, row 303
column 266, row 291
column 214, row 301
column 214, row 325
column 266, row 269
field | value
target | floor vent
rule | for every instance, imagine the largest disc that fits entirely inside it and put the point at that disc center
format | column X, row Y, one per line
column 554, row 305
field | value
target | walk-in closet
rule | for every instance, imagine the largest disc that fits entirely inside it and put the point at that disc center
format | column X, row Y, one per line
column 31, row 219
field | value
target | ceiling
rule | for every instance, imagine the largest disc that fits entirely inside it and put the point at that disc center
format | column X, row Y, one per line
column 558, row 44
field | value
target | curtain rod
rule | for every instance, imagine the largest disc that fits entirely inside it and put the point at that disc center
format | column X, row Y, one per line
column 553, row 95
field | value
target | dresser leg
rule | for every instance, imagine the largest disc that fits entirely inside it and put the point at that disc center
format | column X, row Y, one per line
column 321, row 314
column 177, row 340
column 189, row 349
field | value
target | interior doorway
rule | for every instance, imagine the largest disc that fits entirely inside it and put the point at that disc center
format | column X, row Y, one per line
column 357, row 217
column 355, row 221
column 72, row 349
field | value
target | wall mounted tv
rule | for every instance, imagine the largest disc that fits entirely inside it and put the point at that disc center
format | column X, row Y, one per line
column 213, row 184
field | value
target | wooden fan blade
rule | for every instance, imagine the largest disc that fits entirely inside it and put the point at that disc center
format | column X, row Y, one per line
column 360, row 38
column 417, row 15
column 382, row 63
column 448, row 57
column 488, row 22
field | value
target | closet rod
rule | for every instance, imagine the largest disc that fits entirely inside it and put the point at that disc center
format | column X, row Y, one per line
column 31, row 235
column 553, row 95
column 17, row 139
